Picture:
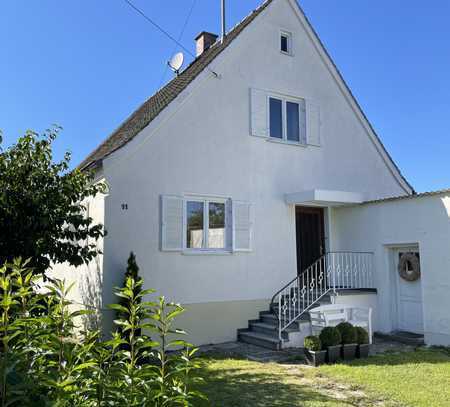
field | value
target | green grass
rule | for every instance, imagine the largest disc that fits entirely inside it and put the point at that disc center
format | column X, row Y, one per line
column 420, row 378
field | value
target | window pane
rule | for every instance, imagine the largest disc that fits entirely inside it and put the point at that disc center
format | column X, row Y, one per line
column 276, row 118
column 216, row 230
column 194, row 212
column 284, row 43
column 293, row 123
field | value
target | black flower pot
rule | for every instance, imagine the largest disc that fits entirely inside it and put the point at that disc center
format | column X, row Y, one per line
column 362, row 351
column 315, row 358
column 349, row 351
column 333, row 353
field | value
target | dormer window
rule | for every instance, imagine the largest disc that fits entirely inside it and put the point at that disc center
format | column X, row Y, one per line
column 285, row 42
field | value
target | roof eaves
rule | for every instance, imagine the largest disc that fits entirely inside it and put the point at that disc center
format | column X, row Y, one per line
column 413, row 196
column 154, row 105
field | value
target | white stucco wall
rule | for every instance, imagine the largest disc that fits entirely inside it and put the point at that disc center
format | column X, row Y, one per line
column 380, row 227
column 201, row 144
column 88, row 278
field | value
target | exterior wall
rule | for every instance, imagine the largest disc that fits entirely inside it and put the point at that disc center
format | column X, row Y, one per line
column 88, row 278
column 201, row 144
column 216, row 322
column 379, row 227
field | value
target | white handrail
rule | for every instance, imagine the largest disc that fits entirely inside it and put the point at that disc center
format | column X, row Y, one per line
column 333, row 271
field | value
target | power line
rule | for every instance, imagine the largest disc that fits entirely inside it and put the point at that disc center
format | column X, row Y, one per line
column 179, row 39
column 157, row 26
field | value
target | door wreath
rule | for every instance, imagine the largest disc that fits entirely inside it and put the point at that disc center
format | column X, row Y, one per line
column 409, row 266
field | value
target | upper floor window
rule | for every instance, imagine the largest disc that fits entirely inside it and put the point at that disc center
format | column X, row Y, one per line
column 285, row 42
column 287, row 119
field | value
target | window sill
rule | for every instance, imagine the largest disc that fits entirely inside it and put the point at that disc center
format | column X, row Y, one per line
column 289, row 143
column 206, row 253
column 289, row 54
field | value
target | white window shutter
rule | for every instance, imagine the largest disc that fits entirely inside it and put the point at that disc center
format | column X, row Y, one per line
column 258, row 113
column 171, row 223
column 312, row 124
column 242, row 226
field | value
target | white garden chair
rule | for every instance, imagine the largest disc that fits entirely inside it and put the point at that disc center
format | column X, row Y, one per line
column 333, row 314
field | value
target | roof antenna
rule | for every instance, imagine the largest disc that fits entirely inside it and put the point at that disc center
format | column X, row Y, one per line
column 223, row 21
column 176, row 62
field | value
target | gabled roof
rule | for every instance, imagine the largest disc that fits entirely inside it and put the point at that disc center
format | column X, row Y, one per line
column 151, row 108
column 161, row 99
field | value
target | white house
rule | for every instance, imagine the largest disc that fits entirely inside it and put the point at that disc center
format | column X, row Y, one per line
column 254, row 169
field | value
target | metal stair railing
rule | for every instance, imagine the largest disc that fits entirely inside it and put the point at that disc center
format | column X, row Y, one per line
column 331, row 272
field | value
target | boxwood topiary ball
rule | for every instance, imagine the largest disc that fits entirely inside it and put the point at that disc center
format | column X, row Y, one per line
column 330, row 336
column 362, row 337
column 348, row 332
column 313, row 343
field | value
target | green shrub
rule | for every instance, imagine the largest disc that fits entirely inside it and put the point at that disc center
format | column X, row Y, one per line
column 44, row 363
column 347, row 331
column 312, row 343
column 362, row 336
column 329, row 336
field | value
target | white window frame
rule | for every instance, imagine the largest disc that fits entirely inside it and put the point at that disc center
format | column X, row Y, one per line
column 284, row 99
column 206, row 200
column 288, row 35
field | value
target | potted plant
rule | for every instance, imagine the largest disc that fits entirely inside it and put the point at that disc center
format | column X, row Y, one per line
column 362, row 338
column 315, row 356
column 331, row 342
column 348, row 337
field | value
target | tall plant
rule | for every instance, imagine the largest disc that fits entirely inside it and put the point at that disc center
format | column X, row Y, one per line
column 42, row 212
column 45, row 362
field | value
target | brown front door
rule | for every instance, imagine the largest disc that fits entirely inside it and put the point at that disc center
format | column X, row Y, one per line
column 310, row 236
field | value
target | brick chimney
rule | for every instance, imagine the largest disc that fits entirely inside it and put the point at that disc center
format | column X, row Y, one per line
column 203, row 41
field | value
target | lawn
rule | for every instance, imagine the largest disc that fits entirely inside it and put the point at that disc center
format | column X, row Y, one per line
column 420, row 378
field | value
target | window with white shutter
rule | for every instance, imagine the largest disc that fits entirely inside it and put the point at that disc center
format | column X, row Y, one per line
column 242, row 226
column 172, row 223
column 282, row 118
column 205, row 224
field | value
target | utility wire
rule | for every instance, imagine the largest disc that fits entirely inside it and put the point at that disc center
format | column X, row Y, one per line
column 158, row 27
column 179, row 40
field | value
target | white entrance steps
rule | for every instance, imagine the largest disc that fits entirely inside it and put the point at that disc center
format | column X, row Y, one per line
column 264, row 331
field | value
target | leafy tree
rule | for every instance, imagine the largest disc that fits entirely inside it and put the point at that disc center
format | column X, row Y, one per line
column 42, row 215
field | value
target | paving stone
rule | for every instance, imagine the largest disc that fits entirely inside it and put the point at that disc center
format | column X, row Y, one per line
column 291, row 355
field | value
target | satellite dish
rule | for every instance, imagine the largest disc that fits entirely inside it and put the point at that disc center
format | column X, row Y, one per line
column 176, row 62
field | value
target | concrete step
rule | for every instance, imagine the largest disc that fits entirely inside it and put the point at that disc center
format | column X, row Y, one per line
column 271, row 329
column 408, row 338
column 269, row 317
column 259, row 339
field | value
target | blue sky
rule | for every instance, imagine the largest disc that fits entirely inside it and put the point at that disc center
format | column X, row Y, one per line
column 87, row 65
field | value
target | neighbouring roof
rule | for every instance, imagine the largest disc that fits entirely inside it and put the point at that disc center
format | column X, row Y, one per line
column 151, row 108
column 161, row 99
column 415, row 195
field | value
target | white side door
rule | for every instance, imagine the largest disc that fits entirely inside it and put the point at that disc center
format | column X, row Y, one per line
column 409, row 299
